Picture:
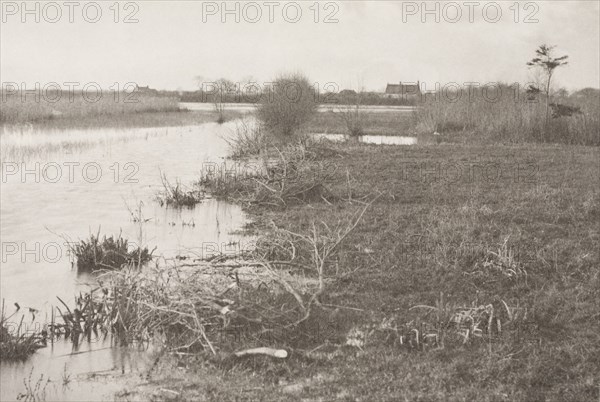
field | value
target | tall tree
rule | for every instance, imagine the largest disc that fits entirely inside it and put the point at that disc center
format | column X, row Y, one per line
column 547, row 63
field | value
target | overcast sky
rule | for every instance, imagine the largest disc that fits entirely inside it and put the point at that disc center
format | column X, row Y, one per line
column 372, row 43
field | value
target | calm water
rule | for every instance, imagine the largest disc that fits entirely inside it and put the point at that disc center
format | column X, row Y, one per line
column 248, row 107
column 52, row 190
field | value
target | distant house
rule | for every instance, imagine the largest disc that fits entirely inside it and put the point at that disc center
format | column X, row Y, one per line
column 403, row 91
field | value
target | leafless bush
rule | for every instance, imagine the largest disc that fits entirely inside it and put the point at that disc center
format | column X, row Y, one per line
column 353, row 118
column 288, row 106
column 249, row 139
column 288, row 176
column 320, row 247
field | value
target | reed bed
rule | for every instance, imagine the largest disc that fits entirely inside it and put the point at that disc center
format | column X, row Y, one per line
column 16, row 343
column 108, row 254
column 511, row 117
column 18, row 109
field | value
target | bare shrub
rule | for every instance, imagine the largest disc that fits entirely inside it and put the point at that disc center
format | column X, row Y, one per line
column 191, row 306
column 288, row 106
column 353, row 118
column 287, row 176
column 248, row 139
column 319, row 248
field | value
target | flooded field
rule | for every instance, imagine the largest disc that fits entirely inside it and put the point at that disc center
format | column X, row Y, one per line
column 64, row 186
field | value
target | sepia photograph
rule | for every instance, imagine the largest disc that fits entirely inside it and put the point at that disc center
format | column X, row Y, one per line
column 310, row 200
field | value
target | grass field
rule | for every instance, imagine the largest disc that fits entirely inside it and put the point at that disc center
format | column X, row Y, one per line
column 508, row 229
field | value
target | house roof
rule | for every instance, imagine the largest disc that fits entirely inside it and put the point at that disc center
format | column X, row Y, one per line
column 404, row 89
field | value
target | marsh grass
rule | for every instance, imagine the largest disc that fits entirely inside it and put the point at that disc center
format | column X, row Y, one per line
column 15, row 342
column 447, row 322
column 88, row 316
column 177, row 195
column 108, row 253
column 17, row 109
column 509, row 116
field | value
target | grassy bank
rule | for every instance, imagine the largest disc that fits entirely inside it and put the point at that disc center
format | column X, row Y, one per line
column 472, row 276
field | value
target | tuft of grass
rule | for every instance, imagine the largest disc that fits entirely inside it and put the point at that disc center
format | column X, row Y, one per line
column 177, row 195
column 16, row 344
column 108, row 253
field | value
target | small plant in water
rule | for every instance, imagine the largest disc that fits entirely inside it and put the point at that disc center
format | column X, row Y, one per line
column 108, row 253
column 16, row 344
column 178, row 196
column 34, row 391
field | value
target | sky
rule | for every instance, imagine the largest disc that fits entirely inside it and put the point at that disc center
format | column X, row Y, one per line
column 351, row 44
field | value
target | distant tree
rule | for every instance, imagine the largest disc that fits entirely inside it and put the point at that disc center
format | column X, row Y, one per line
column 545, row 61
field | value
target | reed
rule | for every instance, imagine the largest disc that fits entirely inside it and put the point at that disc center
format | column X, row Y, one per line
column 177, row 195
column 108, row 253
column 511, row 116
column 16, row 343
column 20, row 109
